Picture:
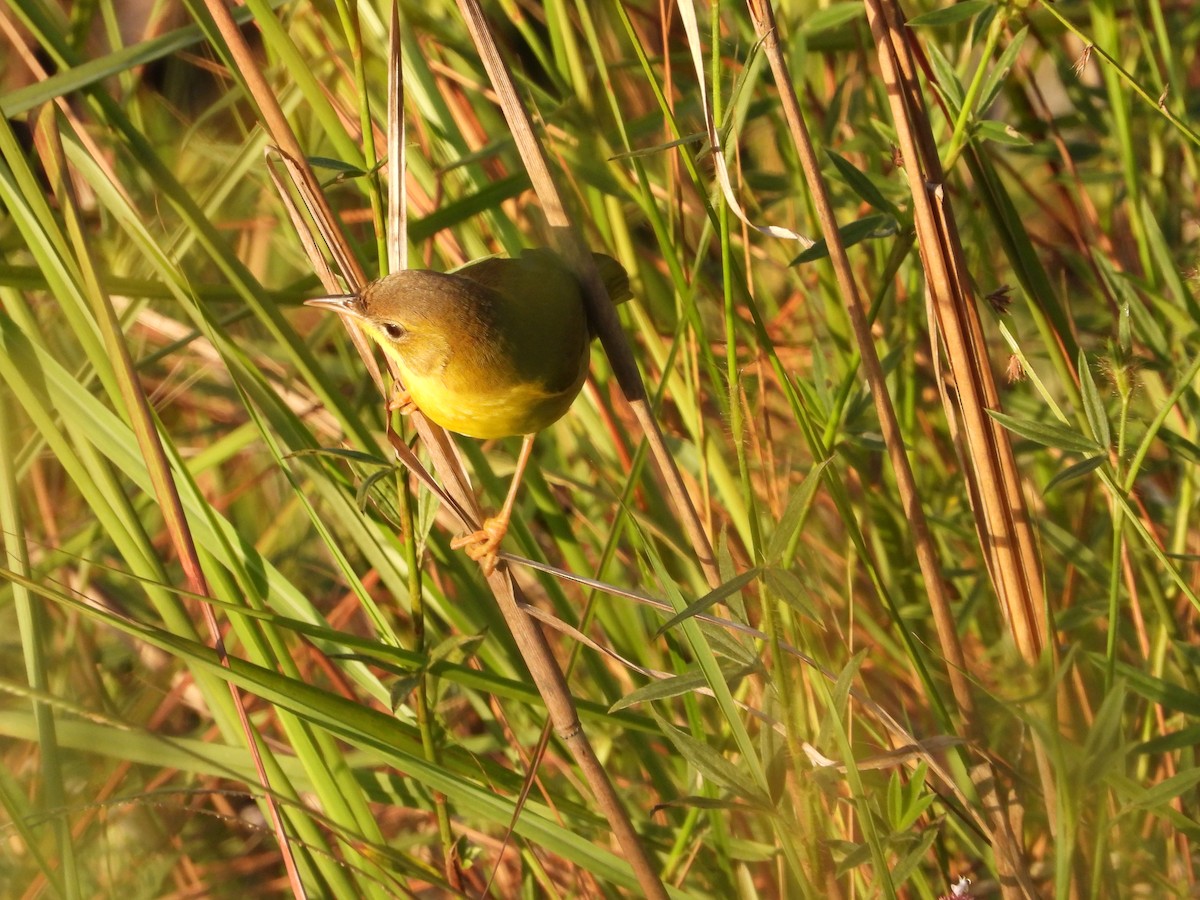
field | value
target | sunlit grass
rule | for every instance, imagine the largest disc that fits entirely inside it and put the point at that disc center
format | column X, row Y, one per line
column 799, row 732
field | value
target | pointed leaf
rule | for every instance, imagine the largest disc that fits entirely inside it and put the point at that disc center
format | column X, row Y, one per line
column 1172, row 696
column 862, row 185
column 400, row 690
column 868, row 227
column 457, row 648
column 1180, row 445
column 364, row 489
column 796, row 512
column 1171, row 741
column 1048, row 435
column 1165, row 791
column 995, row 78
column 694, row 802
column 1093, row 406
column 791, row 590
column 1000, row 133
column 662, row 689
column 836, row 16
column 358, row 456
column 341, row 167
column 1078, row 470
column 687, row 683
column 711, row 765
column 710, row 599
column 947, row 83
column 949, row 15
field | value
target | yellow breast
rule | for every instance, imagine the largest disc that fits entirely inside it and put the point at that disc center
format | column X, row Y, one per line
column 490, row 410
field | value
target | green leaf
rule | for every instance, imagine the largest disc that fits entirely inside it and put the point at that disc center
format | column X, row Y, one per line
column 917, row 854
column 711, row 598
column 777, row 773
column 841, row 691
column 795, row 512
column 94, row 71
column 1103, row 749
column 1180, row 445
column 694, row 802
column 791, row 590
column 1078, row 470
column 467, row 207
column 456, row 648
column 862, row 185
column 358, row 456
column 868, row 227
column 1166, row 791
column 711, row 765
column 1093, row 406
column 995, row 78
column 687, row 683
column 1000, row 133
column 858, row 855
column 1149, row 327
column 1125, row 329
column 894, row 798
column 915, row 800
column 341, row 167
column 949, row 15
column 1171, row 741
column 831, row 17
column 661, row 689
column 979, row 28
column 947, row 82
column 1076, row 550
column 363, row 494
column 400, row 690
column 1046, row 434
column 1155, row 689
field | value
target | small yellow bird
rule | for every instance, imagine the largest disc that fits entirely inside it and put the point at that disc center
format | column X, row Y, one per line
column 496, row 348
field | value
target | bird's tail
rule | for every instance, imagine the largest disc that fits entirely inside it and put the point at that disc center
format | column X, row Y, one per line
column 614, row 276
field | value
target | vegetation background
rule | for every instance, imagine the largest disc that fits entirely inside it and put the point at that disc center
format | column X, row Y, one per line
column 872, row 697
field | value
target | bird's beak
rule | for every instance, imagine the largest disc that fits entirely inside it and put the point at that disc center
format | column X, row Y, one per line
column 343, row 304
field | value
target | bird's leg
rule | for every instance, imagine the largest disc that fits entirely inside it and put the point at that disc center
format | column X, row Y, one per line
column 482, row 544
column 400, row 400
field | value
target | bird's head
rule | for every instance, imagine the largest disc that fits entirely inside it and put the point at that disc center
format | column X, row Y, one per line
column 416, row 316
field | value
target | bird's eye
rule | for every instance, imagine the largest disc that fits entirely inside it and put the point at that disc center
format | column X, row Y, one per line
column 392, row 330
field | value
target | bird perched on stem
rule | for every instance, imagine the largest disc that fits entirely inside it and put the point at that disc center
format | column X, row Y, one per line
column 496, row 348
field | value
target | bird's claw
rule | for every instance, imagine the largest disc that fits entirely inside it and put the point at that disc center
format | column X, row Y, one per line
column 482, row 545
column 401, row 401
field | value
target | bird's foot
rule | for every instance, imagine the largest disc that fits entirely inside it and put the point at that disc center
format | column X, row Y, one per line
column 401, row 401
column 482, row 545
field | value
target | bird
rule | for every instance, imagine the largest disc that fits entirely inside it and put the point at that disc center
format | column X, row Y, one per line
column 496, row 348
